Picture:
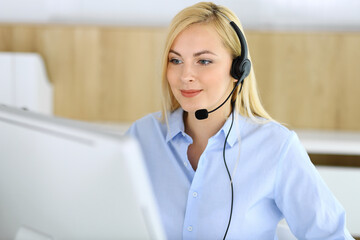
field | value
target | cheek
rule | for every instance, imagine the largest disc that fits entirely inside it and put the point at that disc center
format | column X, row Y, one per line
column 171, row 76
column 217, row 78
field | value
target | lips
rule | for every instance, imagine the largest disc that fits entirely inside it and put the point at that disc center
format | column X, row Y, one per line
column 190, row 93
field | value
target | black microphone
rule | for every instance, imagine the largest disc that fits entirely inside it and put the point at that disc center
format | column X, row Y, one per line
column 202, row 114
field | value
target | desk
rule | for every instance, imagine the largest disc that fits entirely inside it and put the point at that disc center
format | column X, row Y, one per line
column 330, row 142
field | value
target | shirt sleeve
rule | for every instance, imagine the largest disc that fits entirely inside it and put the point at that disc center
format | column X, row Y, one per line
column 131, row 131
column 309, row 207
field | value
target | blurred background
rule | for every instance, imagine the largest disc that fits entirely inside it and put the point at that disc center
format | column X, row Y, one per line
column 99, row 61
column 103, row 57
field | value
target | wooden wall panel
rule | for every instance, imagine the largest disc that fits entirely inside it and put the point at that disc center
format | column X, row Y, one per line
column 5, row 38
column 306, row 80
column 57, row 48
column 99, row 73
column 309, row 80
column 349, row 99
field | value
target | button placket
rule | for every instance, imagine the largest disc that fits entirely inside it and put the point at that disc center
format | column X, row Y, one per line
column 194, row 195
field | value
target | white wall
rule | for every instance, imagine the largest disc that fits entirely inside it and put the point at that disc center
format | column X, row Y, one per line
column 255, row 14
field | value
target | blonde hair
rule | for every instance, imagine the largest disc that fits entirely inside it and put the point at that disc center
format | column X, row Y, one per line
column 247, row 103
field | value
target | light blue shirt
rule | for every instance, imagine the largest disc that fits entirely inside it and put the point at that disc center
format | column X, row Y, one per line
column 274, row 178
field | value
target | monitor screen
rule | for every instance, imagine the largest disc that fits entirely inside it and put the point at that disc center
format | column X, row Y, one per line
column 63, row 179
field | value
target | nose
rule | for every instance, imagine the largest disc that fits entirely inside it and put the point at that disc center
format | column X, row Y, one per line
column 187, row 73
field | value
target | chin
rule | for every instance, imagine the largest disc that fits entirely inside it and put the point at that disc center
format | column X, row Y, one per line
column 190, row 109
column 189, row 106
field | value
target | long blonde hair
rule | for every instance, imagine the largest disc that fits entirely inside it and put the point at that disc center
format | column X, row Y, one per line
column 248, row 102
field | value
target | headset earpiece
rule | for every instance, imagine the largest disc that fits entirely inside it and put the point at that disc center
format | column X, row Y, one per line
column 241, row 65
column 240, row 69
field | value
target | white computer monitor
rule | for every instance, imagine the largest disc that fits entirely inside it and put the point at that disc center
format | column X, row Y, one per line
column 62, row 179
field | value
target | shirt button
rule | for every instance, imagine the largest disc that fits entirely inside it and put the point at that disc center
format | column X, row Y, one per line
column 195, row 194
column 189, row 228
column 185, row 164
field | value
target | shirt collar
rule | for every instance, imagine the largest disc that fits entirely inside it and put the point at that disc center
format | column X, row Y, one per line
column 234, row 135
column 176, row 126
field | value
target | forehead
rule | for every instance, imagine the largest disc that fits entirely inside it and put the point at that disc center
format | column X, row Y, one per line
column 197, row 37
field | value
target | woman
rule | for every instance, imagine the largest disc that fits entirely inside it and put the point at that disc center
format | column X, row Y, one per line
column 236, row 173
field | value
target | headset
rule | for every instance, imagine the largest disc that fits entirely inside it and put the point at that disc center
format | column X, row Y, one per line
column 240, row 69
column 241, row 65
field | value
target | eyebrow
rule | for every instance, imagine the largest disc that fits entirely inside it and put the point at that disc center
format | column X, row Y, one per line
column 195, row 54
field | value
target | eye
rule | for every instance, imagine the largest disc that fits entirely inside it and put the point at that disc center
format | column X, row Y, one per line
column 175, row 61
column 205, row 62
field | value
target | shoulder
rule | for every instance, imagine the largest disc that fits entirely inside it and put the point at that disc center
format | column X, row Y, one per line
column 270, row 136
column 266, row 129
column 152, row 118
column 147, row 125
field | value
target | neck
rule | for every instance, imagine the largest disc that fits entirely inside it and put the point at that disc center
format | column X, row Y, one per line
column 202, row 130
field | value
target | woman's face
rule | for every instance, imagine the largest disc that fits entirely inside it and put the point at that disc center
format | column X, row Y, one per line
column 198, row 71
